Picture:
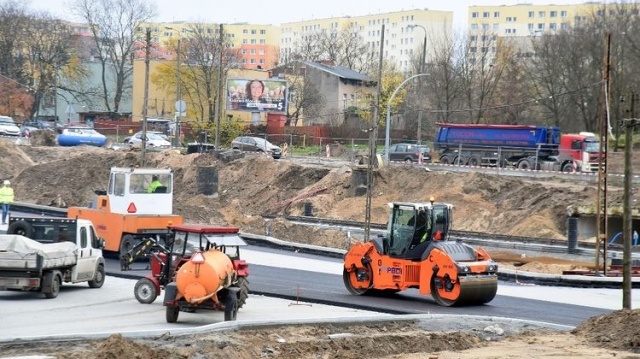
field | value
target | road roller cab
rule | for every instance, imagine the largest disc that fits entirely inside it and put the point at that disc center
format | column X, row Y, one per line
column 208, row 272
column 415, row 252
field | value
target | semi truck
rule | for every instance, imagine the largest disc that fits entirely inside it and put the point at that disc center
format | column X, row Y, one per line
column 138, row 204
column 524, row 147
column 38, row 254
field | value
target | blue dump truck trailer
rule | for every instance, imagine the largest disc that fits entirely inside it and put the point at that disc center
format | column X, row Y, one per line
column 516, row 146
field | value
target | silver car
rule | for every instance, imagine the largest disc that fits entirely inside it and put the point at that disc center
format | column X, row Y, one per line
column 8, row 126
column 256, row 144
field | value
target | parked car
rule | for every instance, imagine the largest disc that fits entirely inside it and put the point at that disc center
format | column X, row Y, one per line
column 409, row 152
column 28, row 126
column 154, row 139
column 8, row 126
column 256, row 144
column 139, row 135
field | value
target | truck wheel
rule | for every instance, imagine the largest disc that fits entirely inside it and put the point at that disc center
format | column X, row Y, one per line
column 98, row 279
column 524, row 165
column 172, row 314
column 568, row 167
column 408, row 160
column 145, row 291
column 52, row 281
column 445, row 160
column 473, row 161
column 126, row 244
column 21, row 228
column 243, row 283
column 231, row 306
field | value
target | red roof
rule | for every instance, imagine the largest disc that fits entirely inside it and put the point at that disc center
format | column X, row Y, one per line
column 204, row 228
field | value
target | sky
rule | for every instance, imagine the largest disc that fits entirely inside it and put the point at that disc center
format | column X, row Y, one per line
column 283, row 11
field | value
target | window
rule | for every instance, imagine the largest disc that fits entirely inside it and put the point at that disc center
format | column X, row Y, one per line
column 496, row 27
column 244, row 51
column 496, row 14
column 245, row 31
column 253, row 32
column 485, row 14
column 261, row 51
column 245, row 41
column 261, row 61
column 553, row 26
column 473, row 38
column 530, row 26
column 531, row 14
column 540, row 26
column 474, row 26
column 83, row 237
column 553, row 14
column 263, row 41
column 253, row 41
column 263, row 32
column 564, row 25
column 485, row 26
column 473, row 15
column 541, row 13
column 563, row 13
column 253, row 51
column 253, row 61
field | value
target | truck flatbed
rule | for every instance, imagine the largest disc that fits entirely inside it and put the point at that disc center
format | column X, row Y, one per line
column 19, row 253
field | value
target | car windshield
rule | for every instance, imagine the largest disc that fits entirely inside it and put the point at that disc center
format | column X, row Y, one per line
column 86, row 131
column 7, row 121
column 262, row 143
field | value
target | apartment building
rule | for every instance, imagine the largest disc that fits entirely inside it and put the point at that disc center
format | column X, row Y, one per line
column 404, row 33
column 258, row 44
column 488, row 25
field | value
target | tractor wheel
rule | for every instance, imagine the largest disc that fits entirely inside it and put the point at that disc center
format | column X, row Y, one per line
column 172, row 314
column 231, row 306
column 127, row 243
column 243, row 294
column 52, row 279
column 145, row 291
column 98, row 279
column 352, row 284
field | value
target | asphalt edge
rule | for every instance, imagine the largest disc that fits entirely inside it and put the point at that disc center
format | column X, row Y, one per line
column 579, row 281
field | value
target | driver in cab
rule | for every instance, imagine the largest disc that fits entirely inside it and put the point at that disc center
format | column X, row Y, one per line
column 155, row 183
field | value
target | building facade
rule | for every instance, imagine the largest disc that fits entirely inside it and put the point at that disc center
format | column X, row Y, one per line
column 257, row 44
column 405, row 32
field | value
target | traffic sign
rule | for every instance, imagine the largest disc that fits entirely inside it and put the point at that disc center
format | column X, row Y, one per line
column 181, row 106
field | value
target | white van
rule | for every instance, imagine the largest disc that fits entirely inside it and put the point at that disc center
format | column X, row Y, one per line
column 8, row 127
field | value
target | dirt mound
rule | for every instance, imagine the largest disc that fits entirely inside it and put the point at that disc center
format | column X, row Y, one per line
column 43, row 138
column 617, row 330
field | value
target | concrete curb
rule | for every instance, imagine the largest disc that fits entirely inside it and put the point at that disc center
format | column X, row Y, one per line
column 425, row 320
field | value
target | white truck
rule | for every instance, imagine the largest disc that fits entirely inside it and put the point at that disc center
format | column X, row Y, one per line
column 38, row 254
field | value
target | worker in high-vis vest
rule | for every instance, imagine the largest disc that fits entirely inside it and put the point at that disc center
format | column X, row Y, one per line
column 6, row 198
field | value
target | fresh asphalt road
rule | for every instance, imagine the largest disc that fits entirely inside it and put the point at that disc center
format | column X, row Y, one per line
column 318, row 279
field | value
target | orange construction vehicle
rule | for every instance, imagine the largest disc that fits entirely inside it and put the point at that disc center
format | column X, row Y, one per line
column 415, row 252
column 138, row 204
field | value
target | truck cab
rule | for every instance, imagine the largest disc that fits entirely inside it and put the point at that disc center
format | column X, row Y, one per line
column 583, row 149
column 138, row 203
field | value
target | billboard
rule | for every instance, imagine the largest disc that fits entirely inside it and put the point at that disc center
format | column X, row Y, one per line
column 257, row 95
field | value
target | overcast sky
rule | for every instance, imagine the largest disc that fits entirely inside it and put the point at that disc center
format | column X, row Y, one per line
column 282, row 11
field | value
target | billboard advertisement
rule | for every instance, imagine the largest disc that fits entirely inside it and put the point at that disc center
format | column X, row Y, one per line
column 257, row 95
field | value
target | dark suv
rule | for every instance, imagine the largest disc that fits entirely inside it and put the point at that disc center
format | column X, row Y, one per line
column 409, row 152
column 31, row 125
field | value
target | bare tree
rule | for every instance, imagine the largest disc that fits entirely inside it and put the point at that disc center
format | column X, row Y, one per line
column 206, row 54
column 113, row 24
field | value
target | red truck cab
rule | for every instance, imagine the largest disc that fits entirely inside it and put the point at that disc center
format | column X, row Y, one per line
column 583, row 149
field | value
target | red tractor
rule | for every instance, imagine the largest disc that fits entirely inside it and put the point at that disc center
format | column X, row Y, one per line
column 186, row 244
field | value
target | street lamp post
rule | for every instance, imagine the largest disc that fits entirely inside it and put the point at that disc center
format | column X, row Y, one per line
column 388, row 123
column 179, row 107
column 422, row 62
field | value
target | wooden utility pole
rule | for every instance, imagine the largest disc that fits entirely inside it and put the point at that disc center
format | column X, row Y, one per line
column 373, row 137
column 627, row 219
column 147, row 57
column 601, row 205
